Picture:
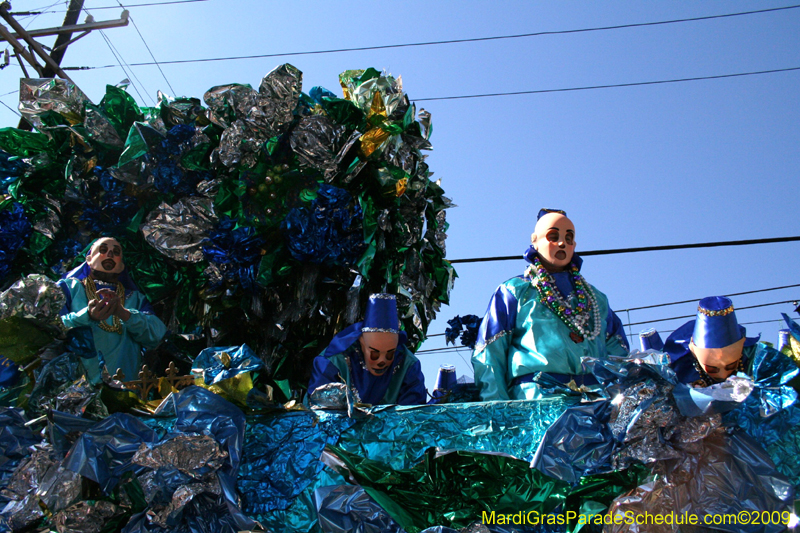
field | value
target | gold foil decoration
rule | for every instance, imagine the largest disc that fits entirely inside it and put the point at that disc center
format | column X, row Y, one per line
column 372, row 140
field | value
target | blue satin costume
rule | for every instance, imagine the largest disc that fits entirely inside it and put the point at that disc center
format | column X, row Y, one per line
column 682, row 359
column 343, row 362
column 520, row 336
column 142, row 330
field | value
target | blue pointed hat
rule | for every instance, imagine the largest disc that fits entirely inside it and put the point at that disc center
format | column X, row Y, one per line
column 381, row 314
column 716, row 325
column 649, row 339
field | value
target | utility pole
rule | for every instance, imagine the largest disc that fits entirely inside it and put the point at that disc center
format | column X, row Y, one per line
column 63, row 39
column 52, row 62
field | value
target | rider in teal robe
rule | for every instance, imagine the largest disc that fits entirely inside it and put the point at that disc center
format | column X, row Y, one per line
column 115, row 350
column 521, row 337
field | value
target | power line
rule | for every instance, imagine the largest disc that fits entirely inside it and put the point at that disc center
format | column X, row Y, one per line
column 698, row 299
column 610, row 86
column 150, row 51
column 741, row 324
column 121, row 61
column 643, row 248
column 692, row 316
column 10, row 108
column 150, row 4
column 470, row 40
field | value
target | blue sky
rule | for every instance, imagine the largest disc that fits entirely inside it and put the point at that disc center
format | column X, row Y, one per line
column 674, row 163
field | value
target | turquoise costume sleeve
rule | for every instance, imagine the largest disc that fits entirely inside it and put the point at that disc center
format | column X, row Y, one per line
column 520, row 336
column 490, row 359
column 145, row 328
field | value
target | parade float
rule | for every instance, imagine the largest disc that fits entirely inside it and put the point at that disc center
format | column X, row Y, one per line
column 257, row 222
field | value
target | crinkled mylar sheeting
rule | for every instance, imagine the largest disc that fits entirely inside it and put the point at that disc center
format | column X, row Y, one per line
column 177, row 231
column 195, row 455
column 315, row 140
column 34, row 297
column 730, row 475
column 85, row 517
column 39, row 95
column 329, row 396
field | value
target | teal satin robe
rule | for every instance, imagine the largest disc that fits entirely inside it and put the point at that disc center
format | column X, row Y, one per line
column 520, row 335
column 141, row 330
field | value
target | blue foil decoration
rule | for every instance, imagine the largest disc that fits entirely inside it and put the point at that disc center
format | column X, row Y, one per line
column 235, row 251
column 281, row 457
column 14, row 232
column 211, row 362
column 466, row 327
column 104, row 452
column 330, row 231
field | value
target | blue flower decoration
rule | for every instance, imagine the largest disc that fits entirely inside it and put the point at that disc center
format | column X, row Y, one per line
column 329, row 232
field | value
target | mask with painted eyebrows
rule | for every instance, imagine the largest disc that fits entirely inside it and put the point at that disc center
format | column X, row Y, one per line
column 106, row 256
column 379, row 350
column 554, row 241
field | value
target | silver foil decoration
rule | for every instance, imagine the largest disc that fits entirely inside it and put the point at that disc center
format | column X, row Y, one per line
column 651, row 428
column 329, row 396
column 194, row 455
column 51, row 222
column 208, row 188
column 81, row 399
column 29, row 473
column 100, row 129
column 178, row 231
column 315, row 140
column 180, row 499
column 85, row 517
column 60, row 488
column 282, row 86
column 39, row 95
column 35, row 297
column 251, row 117
column 22, row 514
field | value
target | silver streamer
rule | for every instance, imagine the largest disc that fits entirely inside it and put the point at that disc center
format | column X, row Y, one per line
column 85, row 517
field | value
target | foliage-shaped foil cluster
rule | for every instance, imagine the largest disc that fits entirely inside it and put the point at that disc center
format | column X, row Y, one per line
column 256, row 216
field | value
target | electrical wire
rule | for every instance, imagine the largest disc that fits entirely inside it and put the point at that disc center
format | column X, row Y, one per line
column 697, row 299
column 641, row 249
column 610, row 86
column 475, row 39
column 741, row 324
column 692, row 316
column 150, row 51
column 128, row 72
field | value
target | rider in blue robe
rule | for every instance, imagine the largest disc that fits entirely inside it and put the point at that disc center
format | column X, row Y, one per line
column 379, row 374
column 714, row 331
